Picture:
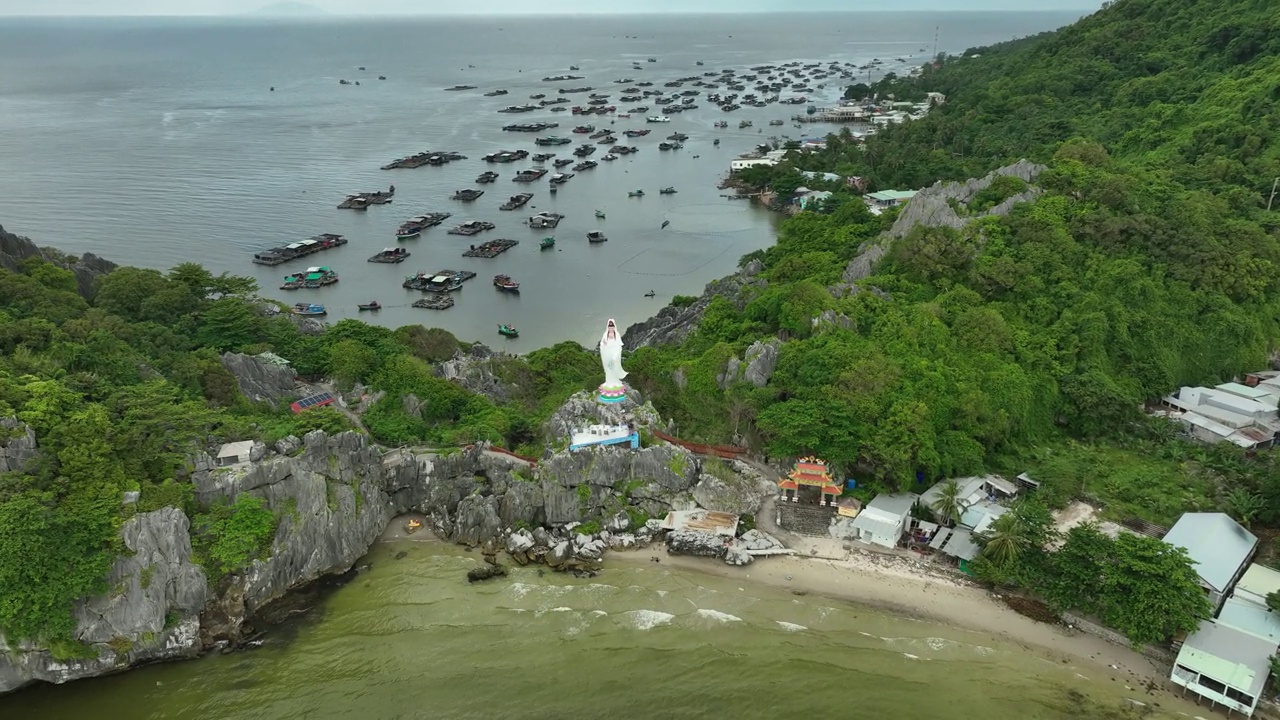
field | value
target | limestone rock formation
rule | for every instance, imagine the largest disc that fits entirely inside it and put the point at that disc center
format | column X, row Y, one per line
column 259, row 380
column 476, row 370
column 593, row 482
column 582, row 410
column 739, row 493
column 756, row 366
column 87, row 268
column 697, row 543
column 150, row 613
column 673, row 324
column 17, row 445
column 932, row 207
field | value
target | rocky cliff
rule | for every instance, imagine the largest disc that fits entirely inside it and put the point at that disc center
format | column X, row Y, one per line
column 151, row 612
column 673, row 324
column 259, row 379
column 935, row 206
column 14, row 249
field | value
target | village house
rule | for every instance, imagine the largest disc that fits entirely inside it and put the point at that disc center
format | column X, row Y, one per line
column 885, row 199
column 884, row 519
column 805, row 198
column 1231, row 412
column 773, row 157
column 1219, row 549
column 979, row 499
column 1224, row 666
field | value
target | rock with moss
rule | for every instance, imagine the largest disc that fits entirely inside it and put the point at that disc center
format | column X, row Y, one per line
column 696, row 543
column 261, row 380
column 17, row 445
column 150, row 613
column 731, row 488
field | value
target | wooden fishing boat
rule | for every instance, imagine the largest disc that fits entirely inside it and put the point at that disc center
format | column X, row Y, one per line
column 595, row 236
column 504, row 282
column 371, row 305
column 547, row 243
column 508, row 331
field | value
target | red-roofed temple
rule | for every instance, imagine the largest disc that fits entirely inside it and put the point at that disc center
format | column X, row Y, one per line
column 810, row 472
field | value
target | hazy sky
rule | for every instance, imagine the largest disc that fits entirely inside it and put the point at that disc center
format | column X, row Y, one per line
column 368, row 7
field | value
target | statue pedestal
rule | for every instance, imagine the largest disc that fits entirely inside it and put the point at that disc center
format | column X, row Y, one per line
column 610, row 394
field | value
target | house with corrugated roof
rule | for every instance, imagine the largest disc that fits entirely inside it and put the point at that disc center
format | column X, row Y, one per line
column 884, row 519
column 1256, row 584
column 1224, row 666
column 1219, row 548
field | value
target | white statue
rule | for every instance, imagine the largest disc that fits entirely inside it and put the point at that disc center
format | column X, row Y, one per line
column 613, row 390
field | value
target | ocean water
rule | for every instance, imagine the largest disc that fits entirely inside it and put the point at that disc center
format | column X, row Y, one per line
column 158, row 141
column 411, row 638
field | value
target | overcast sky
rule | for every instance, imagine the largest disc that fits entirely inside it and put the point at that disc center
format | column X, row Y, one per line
column 371, row 7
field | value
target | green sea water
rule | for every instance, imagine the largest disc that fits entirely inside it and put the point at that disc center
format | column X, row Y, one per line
column 410, row 638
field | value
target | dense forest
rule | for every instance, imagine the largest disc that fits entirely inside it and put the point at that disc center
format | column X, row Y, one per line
column 1023, row 342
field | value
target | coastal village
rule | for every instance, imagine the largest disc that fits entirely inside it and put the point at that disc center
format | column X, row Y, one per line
column 610, row 479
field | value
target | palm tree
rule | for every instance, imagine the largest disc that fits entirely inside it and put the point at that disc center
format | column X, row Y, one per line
column 949, row 505
column 1006, row 540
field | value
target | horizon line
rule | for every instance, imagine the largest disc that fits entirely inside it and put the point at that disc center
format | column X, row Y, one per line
column 326, row 14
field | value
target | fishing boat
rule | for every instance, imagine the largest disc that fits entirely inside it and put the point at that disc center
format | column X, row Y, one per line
column 651, row 294
column 371, row 305
column 609, row 157
column 667, row 191
column 309, row 310
column 744, row 124
column 292, row 281
column 411, row 228
column 547, row 243
column 636, row 193
column 599, row 214
column 318, row 277
column 508, row 331
column 504, row 282
column 468, row 195
column 658, row 119
column 595, row 236
column 487, row 177
column 392, row 256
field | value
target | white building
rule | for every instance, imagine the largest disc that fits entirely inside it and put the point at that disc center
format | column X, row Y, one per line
column 1231, row 412
column 884, row 519
column 1224, row 665
column 234, row 453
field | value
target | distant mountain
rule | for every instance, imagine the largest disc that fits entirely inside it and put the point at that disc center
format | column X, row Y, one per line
column 289, row 9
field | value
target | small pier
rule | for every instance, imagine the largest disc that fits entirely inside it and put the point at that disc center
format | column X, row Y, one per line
column 490, row 249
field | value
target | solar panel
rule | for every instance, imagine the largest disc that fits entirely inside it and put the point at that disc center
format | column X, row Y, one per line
column 312, row 401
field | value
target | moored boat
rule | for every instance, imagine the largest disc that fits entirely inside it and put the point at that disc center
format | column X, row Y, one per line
column 547, row 243
column 667, row 191
column 595, row 236
column 657, row 119
column 516, row 201
column 504, row 282
column 508, row 331
column 599, row 214
column 467, row 194
column 487, row 177
column 636, row 193
column 309, row 310
column 371, row 305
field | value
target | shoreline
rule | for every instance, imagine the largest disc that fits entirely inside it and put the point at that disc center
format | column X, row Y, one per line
column 899, row 587
column 890, row 585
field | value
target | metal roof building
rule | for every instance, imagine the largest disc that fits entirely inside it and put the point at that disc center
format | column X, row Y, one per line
column 1219, row 549
column 1225, row 666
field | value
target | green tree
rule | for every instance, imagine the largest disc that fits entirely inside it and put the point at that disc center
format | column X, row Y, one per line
column 950, row 504
column 229, row 324
column 1151, row 590
column 1006, row 541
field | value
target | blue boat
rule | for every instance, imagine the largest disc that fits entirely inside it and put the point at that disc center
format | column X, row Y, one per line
column 309, row 309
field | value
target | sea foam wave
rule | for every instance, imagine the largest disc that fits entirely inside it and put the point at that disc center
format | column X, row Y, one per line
column 647, row 619
column 717, row 615
column 790, row 626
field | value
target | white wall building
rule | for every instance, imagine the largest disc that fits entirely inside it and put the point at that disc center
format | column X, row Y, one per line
column 884, row 519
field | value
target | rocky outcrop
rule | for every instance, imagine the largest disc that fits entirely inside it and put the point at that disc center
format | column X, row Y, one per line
column 696, row 543
column 673, row 324
column 477, row 370
column 739, row 492
column 581, row 410
column 17, row 445
column 150, row 613
column 753, row 543
column 832, row 319
column 87, row 268
column 756, row 366
column 933, row 207
column 260, row 380
column 594, row 483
